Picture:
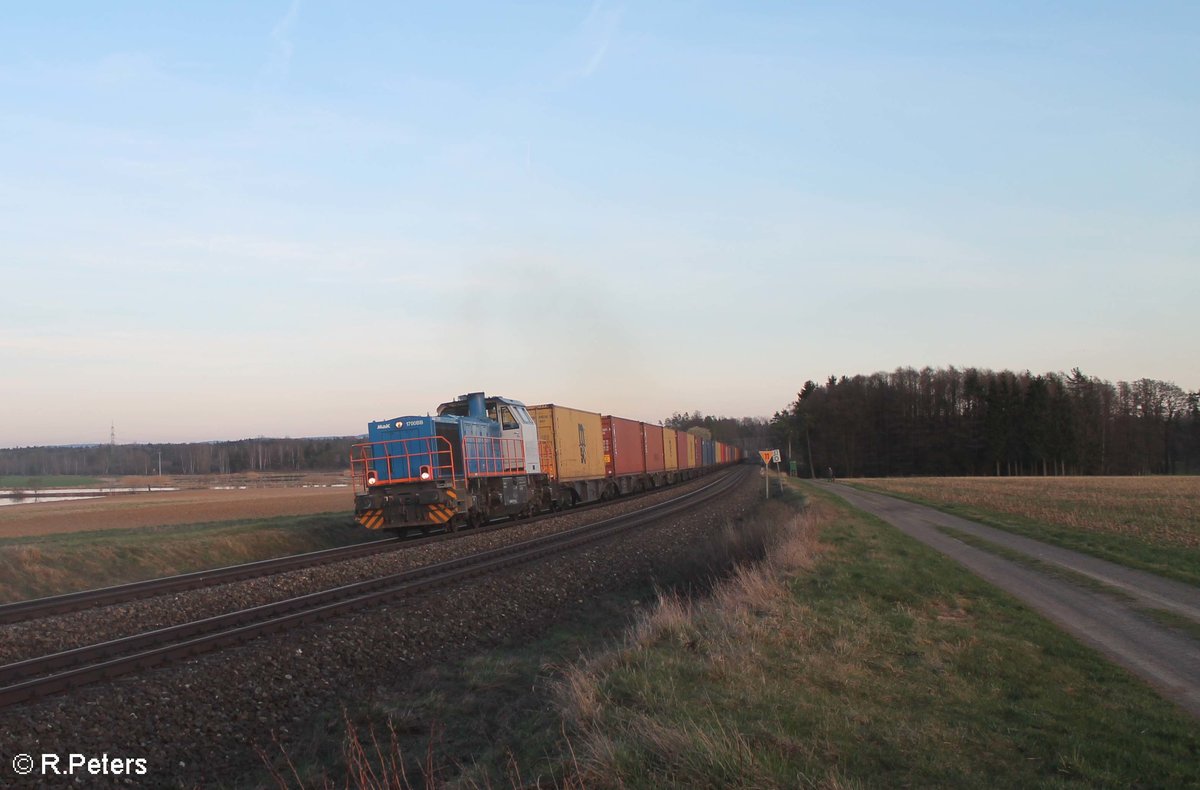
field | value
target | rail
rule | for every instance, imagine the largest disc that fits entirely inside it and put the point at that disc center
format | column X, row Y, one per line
column 73, row 668
column 121, row 593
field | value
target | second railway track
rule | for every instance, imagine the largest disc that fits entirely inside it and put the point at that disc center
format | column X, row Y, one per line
column 26, row 680
column 65, row 603
column 123, row 593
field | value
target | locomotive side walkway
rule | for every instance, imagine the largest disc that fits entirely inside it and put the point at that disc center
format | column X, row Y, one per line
column 1110, row 622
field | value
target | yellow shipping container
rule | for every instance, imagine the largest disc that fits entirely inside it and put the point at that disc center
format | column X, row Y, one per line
column 577, row 438
column 670, row 449
column 691, row 452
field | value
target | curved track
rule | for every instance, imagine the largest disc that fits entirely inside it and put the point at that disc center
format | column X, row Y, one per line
column 121, row 593
column 122, row 656
column 36, row 608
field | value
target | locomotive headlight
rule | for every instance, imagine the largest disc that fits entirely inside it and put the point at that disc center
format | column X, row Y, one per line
column 372, row 478
column 426, row 473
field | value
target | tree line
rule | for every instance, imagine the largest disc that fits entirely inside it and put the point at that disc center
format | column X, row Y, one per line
column 947, row 421
column 194, row 458
column 981, row 422
column 748, row 433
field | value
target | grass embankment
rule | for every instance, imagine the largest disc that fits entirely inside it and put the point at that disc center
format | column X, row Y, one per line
column 33, row 567
column 855, row 657
column 490, row 719
column 1150, row 523
column 865, row 660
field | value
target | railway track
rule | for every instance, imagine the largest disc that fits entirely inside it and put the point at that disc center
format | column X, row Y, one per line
column 123, row 593
column 36, row 608
column 42, row 676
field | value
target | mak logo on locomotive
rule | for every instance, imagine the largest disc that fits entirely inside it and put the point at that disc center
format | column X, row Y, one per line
column 386, row 426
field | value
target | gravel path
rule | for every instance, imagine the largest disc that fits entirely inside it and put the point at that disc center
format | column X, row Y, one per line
column 194, row 722
column 1166, row 658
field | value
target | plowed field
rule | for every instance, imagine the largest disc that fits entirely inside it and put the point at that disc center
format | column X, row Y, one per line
column 123, row 511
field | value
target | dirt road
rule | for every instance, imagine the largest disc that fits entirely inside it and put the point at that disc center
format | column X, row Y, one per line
column 1111, row 622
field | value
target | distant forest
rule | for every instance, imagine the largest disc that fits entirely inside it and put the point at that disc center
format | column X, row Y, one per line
column 982, row 422
column 198, row 458
column 908, row 422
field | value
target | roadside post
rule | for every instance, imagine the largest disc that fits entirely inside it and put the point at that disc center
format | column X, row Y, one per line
column 767, row 456
column 778, row 471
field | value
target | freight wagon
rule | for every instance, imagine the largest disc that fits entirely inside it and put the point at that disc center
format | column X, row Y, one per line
column 483, row 457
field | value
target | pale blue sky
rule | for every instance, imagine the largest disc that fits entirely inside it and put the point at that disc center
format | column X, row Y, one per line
column 225, row 219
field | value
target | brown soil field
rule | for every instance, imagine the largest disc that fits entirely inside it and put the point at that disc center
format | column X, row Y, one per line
column 123, row 511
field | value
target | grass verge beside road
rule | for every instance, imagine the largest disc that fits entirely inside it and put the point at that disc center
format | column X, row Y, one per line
column 859, row 657
column 32, row 567
column 1149, row 523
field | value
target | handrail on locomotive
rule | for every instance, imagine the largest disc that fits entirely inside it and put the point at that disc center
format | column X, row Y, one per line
column 431, row 458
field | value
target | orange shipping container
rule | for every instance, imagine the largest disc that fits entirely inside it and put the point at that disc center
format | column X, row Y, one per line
column 685, row 449
column 652, row 437
column 624, row 446
column 577, row 438
column 670, row 449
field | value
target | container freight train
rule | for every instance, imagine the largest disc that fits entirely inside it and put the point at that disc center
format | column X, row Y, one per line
column 481, row 458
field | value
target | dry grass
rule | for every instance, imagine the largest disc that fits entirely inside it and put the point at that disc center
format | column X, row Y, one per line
column 1163, row 511
column 750, row 608
column 59, row 563
column 862, row 660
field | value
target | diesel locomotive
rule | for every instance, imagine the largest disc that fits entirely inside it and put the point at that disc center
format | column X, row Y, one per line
column 480, row 458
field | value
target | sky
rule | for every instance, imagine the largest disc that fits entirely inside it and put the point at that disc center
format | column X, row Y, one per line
column 223, row 219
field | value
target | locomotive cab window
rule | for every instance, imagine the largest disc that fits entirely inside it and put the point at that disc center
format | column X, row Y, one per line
column 507, row 421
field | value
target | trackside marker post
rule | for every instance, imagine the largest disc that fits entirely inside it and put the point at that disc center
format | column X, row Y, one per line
column 767, row 456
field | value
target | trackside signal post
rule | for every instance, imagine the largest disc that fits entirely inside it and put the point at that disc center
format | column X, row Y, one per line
column 768, row 456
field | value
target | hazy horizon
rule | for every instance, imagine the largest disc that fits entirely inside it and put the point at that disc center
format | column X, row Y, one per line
column 363, row 429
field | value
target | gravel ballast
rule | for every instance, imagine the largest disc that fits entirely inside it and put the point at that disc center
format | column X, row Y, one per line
column 194, row 723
